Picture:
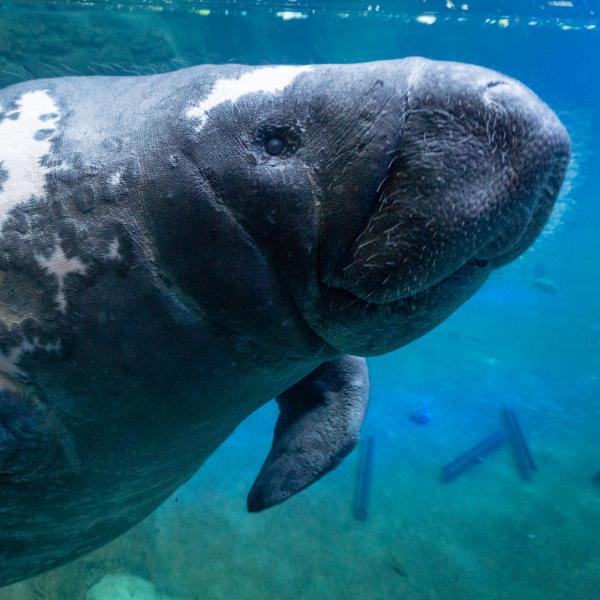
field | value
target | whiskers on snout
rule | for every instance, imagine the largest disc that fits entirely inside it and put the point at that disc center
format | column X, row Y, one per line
column 471, row 183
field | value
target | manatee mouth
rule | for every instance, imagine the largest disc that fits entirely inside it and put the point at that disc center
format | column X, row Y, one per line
column 464, row 191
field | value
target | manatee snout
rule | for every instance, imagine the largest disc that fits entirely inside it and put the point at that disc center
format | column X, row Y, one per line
column 479, row 163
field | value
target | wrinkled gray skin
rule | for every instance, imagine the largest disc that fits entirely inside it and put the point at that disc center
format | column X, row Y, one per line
column 168, row 276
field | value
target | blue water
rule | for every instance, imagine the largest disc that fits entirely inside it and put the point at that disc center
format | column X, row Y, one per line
column 530, row 337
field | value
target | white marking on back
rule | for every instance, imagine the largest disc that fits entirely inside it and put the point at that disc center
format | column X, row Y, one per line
column 113, row 252
column 9, row 361
column 115, row 179
column 265, row 80
column 59, row 265
column 21, row 152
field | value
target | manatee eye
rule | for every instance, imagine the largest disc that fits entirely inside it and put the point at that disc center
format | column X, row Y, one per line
column 274, row 146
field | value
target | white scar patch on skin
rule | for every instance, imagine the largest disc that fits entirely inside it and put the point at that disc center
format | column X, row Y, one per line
column 115, row 179
column 21, row 151
column 113, row 252
column 265, row 80
column 60, row 266
column 9, row 361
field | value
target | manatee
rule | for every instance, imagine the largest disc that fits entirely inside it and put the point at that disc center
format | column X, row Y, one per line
column 178, row 249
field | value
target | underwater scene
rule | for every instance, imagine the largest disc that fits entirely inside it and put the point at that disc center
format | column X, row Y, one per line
column 477, row 471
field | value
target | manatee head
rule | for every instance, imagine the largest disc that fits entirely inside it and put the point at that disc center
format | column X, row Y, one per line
column 374, row 198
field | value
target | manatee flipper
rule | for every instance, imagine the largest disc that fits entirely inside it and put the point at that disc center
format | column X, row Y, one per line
column 319, row 424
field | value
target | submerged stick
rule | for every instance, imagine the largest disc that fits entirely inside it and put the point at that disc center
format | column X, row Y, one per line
column 363, row 480
column 473, row 456
column 519, row 444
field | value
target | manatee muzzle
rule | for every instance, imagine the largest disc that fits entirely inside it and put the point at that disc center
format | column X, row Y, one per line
column 473, row 181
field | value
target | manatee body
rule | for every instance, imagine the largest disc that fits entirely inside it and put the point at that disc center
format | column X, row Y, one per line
column 175, row 250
